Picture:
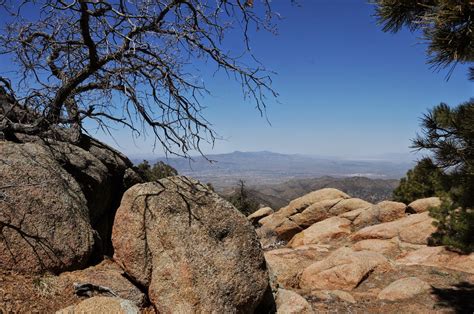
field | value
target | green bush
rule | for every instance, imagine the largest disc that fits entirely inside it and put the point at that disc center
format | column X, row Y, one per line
column 424, row 180
column 455, row 227
column 159, row 171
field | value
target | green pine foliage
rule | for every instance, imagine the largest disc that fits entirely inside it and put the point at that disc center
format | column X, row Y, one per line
column 156, row 172
column 455, row 227
column 424, row 180
column 448, row 133
column 446, row 25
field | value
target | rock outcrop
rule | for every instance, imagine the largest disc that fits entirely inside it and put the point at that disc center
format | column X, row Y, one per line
column 57, row 202
column 415, row 229
column 423, row 204
column 44, row 218
column 192, row 250
column 323, row 231
column 103, row 175
column 382, row 212
column 286, row 264
column 179, row 247
column 305, row 211
column 360, row 257
column 344, row 269
column 350, row 204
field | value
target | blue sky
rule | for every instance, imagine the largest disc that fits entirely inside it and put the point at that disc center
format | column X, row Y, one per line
column 346, row 88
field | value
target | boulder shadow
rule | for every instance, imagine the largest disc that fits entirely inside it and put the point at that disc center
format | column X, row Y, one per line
column 459, row 298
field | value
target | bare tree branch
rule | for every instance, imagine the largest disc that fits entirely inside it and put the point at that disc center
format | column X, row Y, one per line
column 129, row 62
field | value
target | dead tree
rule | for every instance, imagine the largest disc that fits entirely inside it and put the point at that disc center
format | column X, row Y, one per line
column 127, row 62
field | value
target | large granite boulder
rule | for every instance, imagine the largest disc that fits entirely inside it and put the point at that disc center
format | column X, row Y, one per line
column 192, row 250
column 103, row 174
column 44, row 218
column 57, row 202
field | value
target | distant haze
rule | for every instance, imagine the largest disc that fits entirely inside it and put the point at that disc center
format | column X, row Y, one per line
column 269, row 168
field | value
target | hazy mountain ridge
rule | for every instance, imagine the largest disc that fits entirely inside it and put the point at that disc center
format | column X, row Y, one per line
column 264, row 168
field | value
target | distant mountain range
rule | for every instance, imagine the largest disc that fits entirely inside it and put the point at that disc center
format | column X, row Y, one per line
column 263, row 168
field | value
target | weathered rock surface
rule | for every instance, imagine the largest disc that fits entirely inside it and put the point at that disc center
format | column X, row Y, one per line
column 108, row 275
column 371, row 269
column 312, row 214
column 57, row 202
column 322, row 231
column 303, row 212
column 350, row 204
column 105, row 305
column 316, row 196
column 438, row 256
column 353, row 214
column 415, row 229
column 301, row 203
column 344, row 269
column 286, row 264
column 259, row 214
column 382, row 212
column 423, row 204
column 44, row 218
column 290, row 302
column 328, row 295
column 404, row 288
column 103, row 175
column 375, row 245
column 193, row 250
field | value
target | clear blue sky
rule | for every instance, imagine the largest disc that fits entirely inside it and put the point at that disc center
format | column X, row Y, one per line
column 346, row 88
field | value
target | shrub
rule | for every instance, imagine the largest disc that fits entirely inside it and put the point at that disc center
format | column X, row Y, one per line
column 159, row 171
column 424, row 180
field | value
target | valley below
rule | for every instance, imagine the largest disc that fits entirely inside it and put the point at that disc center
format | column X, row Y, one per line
column 274, row 179
column 262, row 168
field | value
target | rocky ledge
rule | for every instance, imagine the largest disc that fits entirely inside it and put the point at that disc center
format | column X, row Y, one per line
column 81, row 233
column 329, row 252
